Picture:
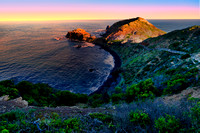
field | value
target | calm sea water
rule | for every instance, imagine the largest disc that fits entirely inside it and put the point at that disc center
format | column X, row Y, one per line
column 28, row 51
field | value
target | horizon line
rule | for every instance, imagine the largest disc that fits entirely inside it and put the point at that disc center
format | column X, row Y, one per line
column 96, row 19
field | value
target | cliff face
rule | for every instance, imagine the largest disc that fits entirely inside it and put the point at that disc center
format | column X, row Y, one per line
column 133, row 30
column 81, row 35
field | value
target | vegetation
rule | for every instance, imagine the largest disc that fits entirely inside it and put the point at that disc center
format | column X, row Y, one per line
column 40, row 94
column 102, row 117
column 139, row 117
column 168, row 124
column 149, row 70
column 142, row 90
column 151, row 116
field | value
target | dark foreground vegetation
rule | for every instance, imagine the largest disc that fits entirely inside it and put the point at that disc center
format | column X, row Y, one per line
column 140, row 110
column 40, row 94
column 148, row 116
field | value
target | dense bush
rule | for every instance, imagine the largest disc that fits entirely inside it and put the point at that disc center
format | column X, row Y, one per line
column 8, row 83
column 96, row 100
column 148, row 116
column 40, row 94
column 140, row 118
column 69, row 99
column 179, row 82
column 168, row 124
column 11, row 116
column 142, row 90
column 175, row 84
column 12, row 92
column 106, row 118
column 72, row 125
column 117, row 98
column 195, row 115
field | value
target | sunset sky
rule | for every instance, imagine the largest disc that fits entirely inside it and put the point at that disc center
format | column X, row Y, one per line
column 43, row 10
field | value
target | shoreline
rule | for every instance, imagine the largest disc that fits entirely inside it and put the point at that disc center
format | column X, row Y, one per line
column 114, row 77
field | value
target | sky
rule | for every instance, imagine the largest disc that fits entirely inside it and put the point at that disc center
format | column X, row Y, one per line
column 45, row 10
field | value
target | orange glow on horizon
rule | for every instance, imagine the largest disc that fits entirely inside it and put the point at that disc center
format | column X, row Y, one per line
column 97, row 13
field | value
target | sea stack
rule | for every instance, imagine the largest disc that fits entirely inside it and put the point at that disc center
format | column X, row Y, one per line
column 131, row 30
column 80, row 35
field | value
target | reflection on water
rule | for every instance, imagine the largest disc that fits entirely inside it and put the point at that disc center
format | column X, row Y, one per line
column 31, row 52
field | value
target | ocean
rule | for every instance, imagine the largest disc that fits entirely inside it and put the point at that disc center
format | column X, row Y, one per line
column 31, row 51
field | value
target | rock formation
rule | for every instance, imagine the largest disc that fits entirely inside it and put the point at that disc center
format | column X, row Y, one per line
column 80, row 35
column 4, row 98
column 134, row 30
column 21, row 103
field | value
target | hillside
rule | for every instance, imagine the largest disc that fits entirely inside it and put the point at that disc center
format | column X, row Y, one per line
column 158, row 91
column 161, row 58
column 132, row 30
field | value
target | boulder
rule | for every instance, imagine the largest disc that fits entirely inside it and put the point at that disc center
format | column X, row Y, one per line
column 4, row 98
column 20, row 103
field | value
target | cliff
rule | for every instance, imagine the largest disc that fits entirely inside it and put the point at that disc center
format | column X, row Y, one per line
column 131, row 30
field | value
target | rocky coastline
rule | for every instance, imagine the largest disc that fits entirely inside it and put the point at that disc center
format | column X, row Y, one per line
column 114, row 76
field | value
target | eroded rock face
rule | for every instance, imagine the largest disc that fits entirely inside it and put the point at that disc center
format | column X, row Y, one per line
column 4, row 98
column 20, row 102
column 81, row 35
column 133, row 30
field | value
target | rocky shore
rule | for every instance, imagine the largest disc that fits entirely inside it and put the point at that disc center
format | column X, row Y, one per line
column 114, row 77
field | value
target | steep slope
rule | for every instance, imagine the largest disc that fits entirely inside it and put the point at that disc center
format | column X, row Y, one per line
column 133, row 30
column 171, row 60
column 186, row 40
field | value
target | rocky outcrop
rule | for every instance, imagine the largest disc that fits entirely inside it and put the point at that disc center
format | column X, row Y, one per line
column 80, row 35
column 7, row 105
column 21, row 103
column 133, row 30
column 4, row 98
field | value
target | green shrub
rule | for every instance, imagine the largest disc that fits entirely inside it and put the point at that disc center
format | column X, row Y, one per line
column 43, row 89
column 11, row 116
column 142, row 90
column 175, row 86
column 8, row 83
column 195, row 115
column 82, row 98
column 57, row 122
column 66, row 98
column 139, row 118
column 102, row 117
column 168, row 124
column 95, row 100
column 72, row 125
column 40, row 94
column 5, row 131
column 26, row 88
column 180, row 82
column 12, row 92
column 118, row 90
column 116, row 98
column 12, row 127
